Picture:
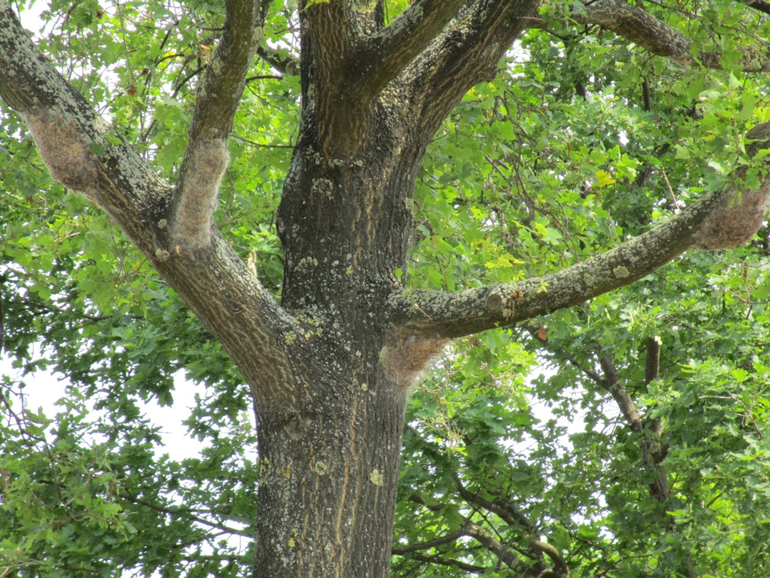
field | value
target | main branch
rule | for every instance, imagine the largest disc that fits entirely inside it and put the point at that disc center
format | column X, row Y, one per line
column 206, row 158
column 643, row 29
column 87, row 155
column 466, row 52
column 723, row 219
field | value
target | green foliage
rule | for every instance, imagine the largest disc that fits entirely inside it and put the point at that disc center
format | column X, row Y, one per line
column 554, row 161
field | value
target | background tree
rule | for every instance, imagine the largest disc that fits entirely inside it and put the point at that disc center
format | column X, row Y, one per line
column 400, row 176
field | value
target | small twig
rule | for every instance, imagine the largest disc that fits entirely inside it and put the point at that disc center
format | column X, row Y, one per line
column 670, row 190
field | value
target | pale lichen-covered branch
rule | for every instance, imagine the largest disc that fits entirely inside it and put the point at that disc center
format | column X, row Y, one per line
column 86, row 154
column 81, row 150
column 219, row 95
column 720, row 220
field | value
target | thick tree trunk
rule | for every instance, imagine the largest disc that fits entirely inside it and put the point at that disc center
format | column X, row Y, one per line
column 329, row 475
column 330, row 451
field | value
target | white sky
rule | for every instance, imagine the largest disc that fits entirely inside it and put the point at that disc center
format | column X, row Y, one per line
column 43, row 390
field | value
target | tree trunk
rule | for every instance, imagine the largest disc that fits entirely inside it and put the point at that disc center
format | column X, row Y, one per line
column 329, row 475
column 330, row 451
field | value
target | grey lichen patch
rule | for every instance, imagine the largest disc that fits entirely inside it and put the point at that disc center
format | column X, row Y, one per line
column 264, row 469
column 320, row 468
column 620, row 272
column 376, row 478
column 161, row 254
column 216, row 66
column 162, row 224
column 313, row 155
column 324, row 187
column 307, row 264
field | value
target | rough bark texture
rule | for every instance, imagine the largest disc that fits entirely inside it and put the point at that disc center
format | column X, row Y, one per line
column 329, row 367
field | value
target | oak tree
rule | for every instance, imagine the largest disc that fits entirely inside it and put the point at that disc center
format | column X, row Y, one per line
column 340, row 191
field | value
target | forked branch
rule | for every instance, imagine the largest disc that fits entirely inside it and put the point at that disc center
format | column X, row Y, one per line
column 219, row 95
column 384, row 55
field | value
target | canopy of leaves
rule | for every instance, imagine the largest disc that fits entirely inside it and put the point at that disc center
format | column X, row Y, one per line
column 515, row 439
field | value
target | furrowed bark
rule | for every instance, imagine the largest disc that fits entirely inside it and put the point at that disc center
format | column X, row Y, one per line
column 465, row 53
column 218, row 97
column 385, row 54
column 329, row 34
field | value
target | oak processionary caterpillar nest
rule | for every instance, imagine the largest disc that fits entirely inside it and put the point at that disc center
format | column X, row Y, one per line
column 405, row 357
column 738, row 214
column 734, row 221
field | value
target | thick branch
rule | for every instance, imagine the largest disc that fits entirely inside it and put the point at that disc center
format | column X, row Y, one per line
column 80, row 149
column 465, row 53
column 85, row 154
column 206, row 158
column 645, row 30
column 724, row 219
column 449, row 315
column 384, row 55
